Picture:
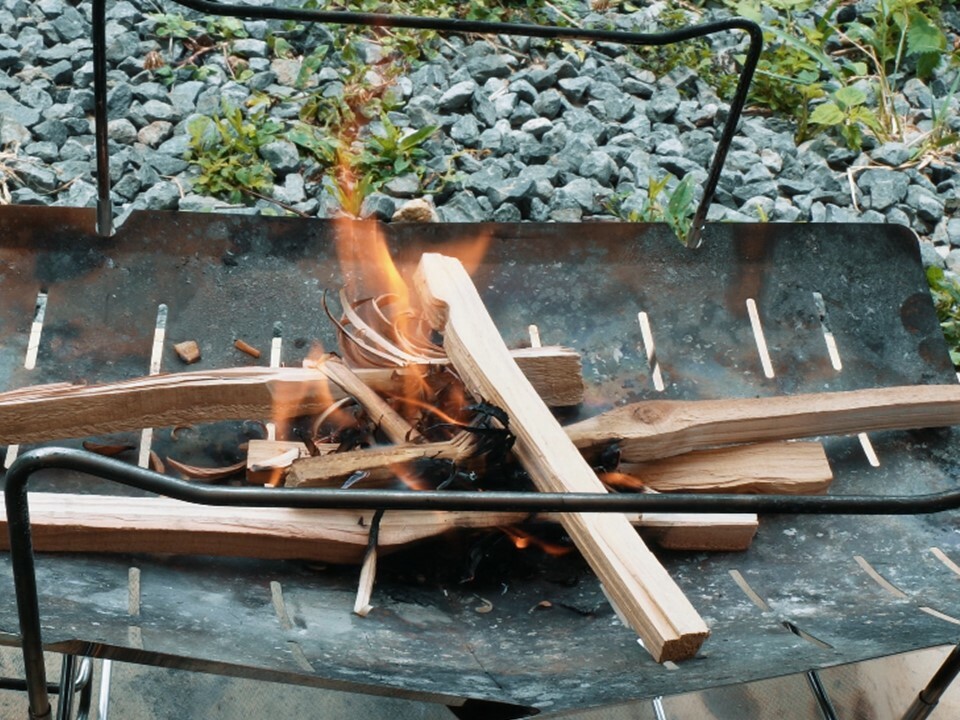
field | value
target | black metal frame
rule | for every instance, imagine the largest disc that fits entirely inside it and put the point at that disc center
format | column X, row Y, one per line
column 104, row 205
column 24, row 570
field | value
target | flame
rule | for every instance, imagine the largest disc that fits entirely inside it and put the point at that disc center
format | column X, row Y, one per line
column 622, row 481
column 523, row 540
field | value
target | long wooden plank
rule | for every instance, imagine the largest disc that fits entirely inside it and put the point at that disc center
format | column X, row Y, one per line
column 641, row 589
column 114, row 524
column 791, row 468
column 661, row 428
column 53, row 412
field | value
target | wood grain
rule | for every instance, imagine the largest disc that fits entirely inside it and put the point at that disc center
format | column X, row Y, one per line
column 657, row 429
column 638, row 585
column 57, row 411
column 114, row 524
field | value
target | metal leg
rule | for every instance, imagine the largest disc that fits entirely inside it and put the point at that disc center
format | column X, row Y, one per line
column 929, row 697
column 103, row 705
column 84, row 686
column 68, row 670
column 820, row 693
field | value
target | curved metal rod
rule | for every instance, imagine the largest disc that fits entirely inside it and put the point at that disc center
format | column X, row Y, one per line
column 446, row 25
column 24, row 570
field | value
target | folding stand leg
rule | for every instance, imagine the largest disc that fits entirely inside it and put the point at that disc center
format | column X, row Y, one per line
column 929, row 697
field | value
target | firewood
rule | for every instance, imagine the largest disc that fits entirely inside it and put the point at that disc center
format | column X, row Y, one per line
column 387, row 419
column 375, row 467
column 792, row 468
column 268, row 460
column 59, row 410
column 640, row 588
column 783, row 468
column 661, row 428
column 116, row 524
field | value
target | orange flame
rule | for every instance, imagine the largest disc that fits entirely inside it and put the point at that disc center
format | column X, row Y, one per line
column 622, row 481
column 522, row 540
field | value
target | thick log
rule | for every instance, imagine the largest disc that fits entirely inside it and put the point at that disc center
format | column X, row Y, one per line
column 114, row 524
column 54, row 412
column 638, row 585
column 658, row 429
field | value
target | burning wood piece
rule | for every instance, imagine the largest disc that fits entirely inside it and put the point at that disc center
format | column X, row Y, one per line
column 787, row 468
column 188, row 351
column 115, row 524
column 61, row 410
column 269, row 460
column 384, row 416
column 381, row 465
column 658, row 429
column 638, row 585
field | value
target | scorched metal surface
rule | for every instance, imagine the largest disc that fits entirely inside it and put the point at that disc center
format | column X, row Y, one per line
column 432, row 636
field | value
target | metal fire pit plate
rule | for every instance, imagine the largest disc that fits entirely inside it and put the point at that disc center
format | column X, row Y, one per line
column 434, row 636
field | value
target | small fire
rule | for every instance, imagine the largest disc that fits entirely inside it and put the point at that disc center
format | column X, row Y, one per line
column 622, row 481
column 523, row 540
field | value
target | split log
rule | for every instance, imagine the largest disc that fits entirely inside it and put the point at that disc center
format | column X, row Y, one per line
column 115, row 524
column 57, row 411
column 380, row 465
column 639, row 586
column 790, row 468
column 661, row 428
column 776, row 468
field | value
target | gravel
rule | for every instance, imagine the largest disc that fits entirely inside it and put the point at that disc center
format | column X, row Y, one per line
column 528, row 129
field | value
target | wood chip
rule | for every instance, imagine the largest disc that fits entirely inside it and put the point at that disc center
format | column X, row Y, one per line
column 188, row 351
column 246, row 347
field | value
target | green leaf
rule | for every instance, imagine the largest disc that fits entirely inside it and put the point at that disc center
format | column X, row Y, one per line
column 923, row 36
column 415, row 139
column 827, row 114
column 849, row 97
column 679, row 205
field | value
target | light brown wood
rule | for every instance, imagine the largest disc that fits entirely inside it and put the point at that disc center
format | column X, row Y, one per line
column 379, row 465
column 386, row 418
column 792, row 468
column 268, row 460
column 658, row 429
column 640, row 588
column 784, row 468
column 56, row 411
column 114, row 524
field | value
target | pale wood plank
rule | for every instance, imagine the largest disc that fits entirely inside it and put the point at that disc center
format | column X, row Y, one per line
column 57, row 411
column 657, row 429
column 639, row 586
column 63, row 522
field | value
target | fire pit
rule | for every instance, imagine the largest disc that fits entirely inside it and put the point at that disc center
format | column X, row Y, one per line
column 493, row 631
